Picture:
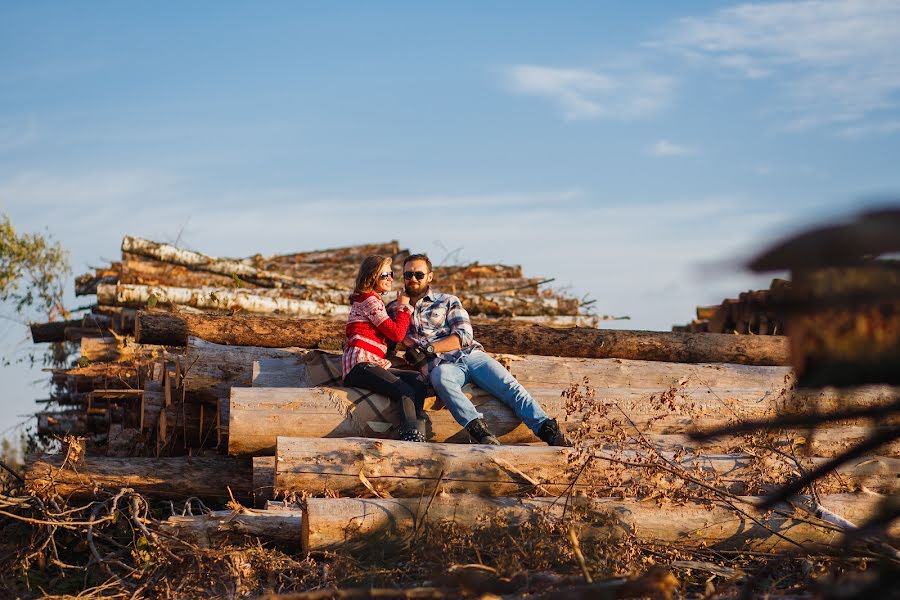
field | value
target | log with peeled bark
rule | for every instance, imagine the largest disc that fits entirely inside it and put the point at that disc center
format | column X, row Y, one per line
column 263, row 480
column 112, row 349
column 345, row 523
column 212, row 298
column 195, row 260
column 214, row 369
column 219, row 527
column 175, row 478
column 357, row 466
column 257, row 416
column 154, row 327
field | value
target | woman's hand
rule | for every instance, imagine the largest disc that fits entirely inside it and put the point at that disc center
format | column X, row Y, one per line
column 403, row 297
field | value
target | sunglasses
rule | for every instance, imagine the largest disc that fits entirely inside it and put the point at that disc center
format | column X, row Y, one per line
column 387, row 275
column 417, row 274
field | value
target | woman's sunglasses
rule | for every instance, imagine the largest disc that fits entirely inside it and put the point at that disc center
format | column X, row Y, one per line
column 387, row 275
column 417, row 274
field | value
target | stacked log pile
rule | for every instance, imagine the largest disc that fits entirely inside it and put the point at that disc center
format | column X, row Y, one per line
column 759, row 312
column 245, row 404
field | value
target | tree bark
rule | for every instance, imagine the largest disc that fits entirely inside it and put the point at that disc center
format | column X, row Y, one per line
column 175, row 478
column 344, row 523
column 577, row 342
column 258, row 415
column 355, row 466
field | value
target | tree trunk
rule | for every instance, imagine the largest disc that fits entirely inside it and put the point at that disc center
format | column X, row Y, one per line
column 356, row 466
column 344, row 523
column 258, row 415
column 278, row 332
column 175, row 478
column 219, row 527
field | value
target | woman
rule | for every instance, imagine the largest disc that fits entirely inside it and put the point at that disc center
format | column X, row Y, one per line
column 369, row 328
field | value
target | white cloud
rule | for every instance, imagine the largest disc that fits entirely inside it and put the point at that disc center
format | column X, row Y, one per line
column 666, row 148
column 836, row 61
column 586, row 94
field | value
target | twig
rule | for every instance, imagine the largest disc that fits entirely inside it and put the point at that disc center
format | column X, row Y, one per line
column 576, row 548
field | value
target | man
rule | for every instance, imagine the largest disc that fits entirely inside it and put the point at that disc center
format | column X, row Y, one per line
column 440, row 337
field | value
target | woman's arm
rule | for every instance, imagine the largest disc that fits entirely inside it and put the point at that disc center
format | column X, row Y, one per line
column 392, row 329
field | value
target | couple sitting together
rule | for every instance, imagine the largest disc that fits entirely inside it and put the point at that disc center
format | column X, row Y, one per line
column 437, row 334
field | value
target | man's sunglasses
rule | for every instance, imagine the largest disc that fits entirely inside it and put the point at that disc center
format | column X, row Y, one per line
column 417, row 274
column 387, row 275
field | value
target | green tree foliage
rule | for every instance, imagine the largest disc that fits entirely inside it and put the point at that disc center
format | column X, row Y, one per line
column 32, row 272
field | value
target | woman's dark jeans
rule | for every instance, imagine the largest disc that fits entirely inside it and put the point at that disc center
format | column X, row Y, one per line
column 403, row 387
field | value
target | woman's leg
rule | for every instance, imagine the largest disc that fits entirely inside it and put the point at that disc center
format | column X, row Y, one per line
column 420, row 390
column 370, row 376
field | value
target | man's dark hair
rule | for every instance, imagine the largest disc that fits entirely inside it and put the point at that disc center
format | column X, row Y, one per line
column 413, row 257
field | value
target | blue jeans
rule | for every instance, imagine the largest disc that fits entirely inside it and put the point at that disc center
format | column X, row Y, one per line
column 488, row 374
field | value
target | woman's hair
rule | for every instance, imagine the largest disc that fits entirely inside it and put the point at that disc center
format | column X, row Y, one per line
column 369, row 271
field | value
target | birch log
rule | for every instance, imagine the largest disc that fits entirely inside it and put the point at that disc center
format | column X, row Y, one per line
column 258, row 415
column 577, row 342
column 211, row 298
column 356, row 466
column 195, row 260
column 225, row 526
column 347, row 523
column 174, row 478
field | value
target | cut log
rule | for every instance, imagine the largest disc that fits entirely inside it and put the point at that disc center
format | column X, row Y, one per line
column 55, row 331
column 195, row 260
column 175, row 478
column 355, row 466
column 263, row 480
column 346, row 523
column 212, row 298
column 258, row 415
column 278, row 372
column 214, row 369
column 279, row 332
column 152, row 403
column 183, row 426
column 225, row 526
column 111, row 349
column 545, row 372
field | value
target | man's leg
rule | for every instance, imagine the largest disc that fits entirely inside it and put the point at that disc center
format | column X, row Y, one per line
column 448, row 380
column 492, row 377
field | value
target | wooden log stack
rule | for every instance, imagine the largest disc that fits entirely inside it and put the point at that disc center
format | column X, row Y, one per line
column 220, row 378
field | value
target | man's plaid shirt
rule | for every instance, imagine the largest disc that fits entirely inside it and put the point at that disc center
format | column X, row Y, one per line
column 436, row 316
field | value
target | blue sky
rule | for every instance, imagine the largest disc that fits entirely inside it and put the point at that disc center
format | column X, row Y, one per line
column 621, row 148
